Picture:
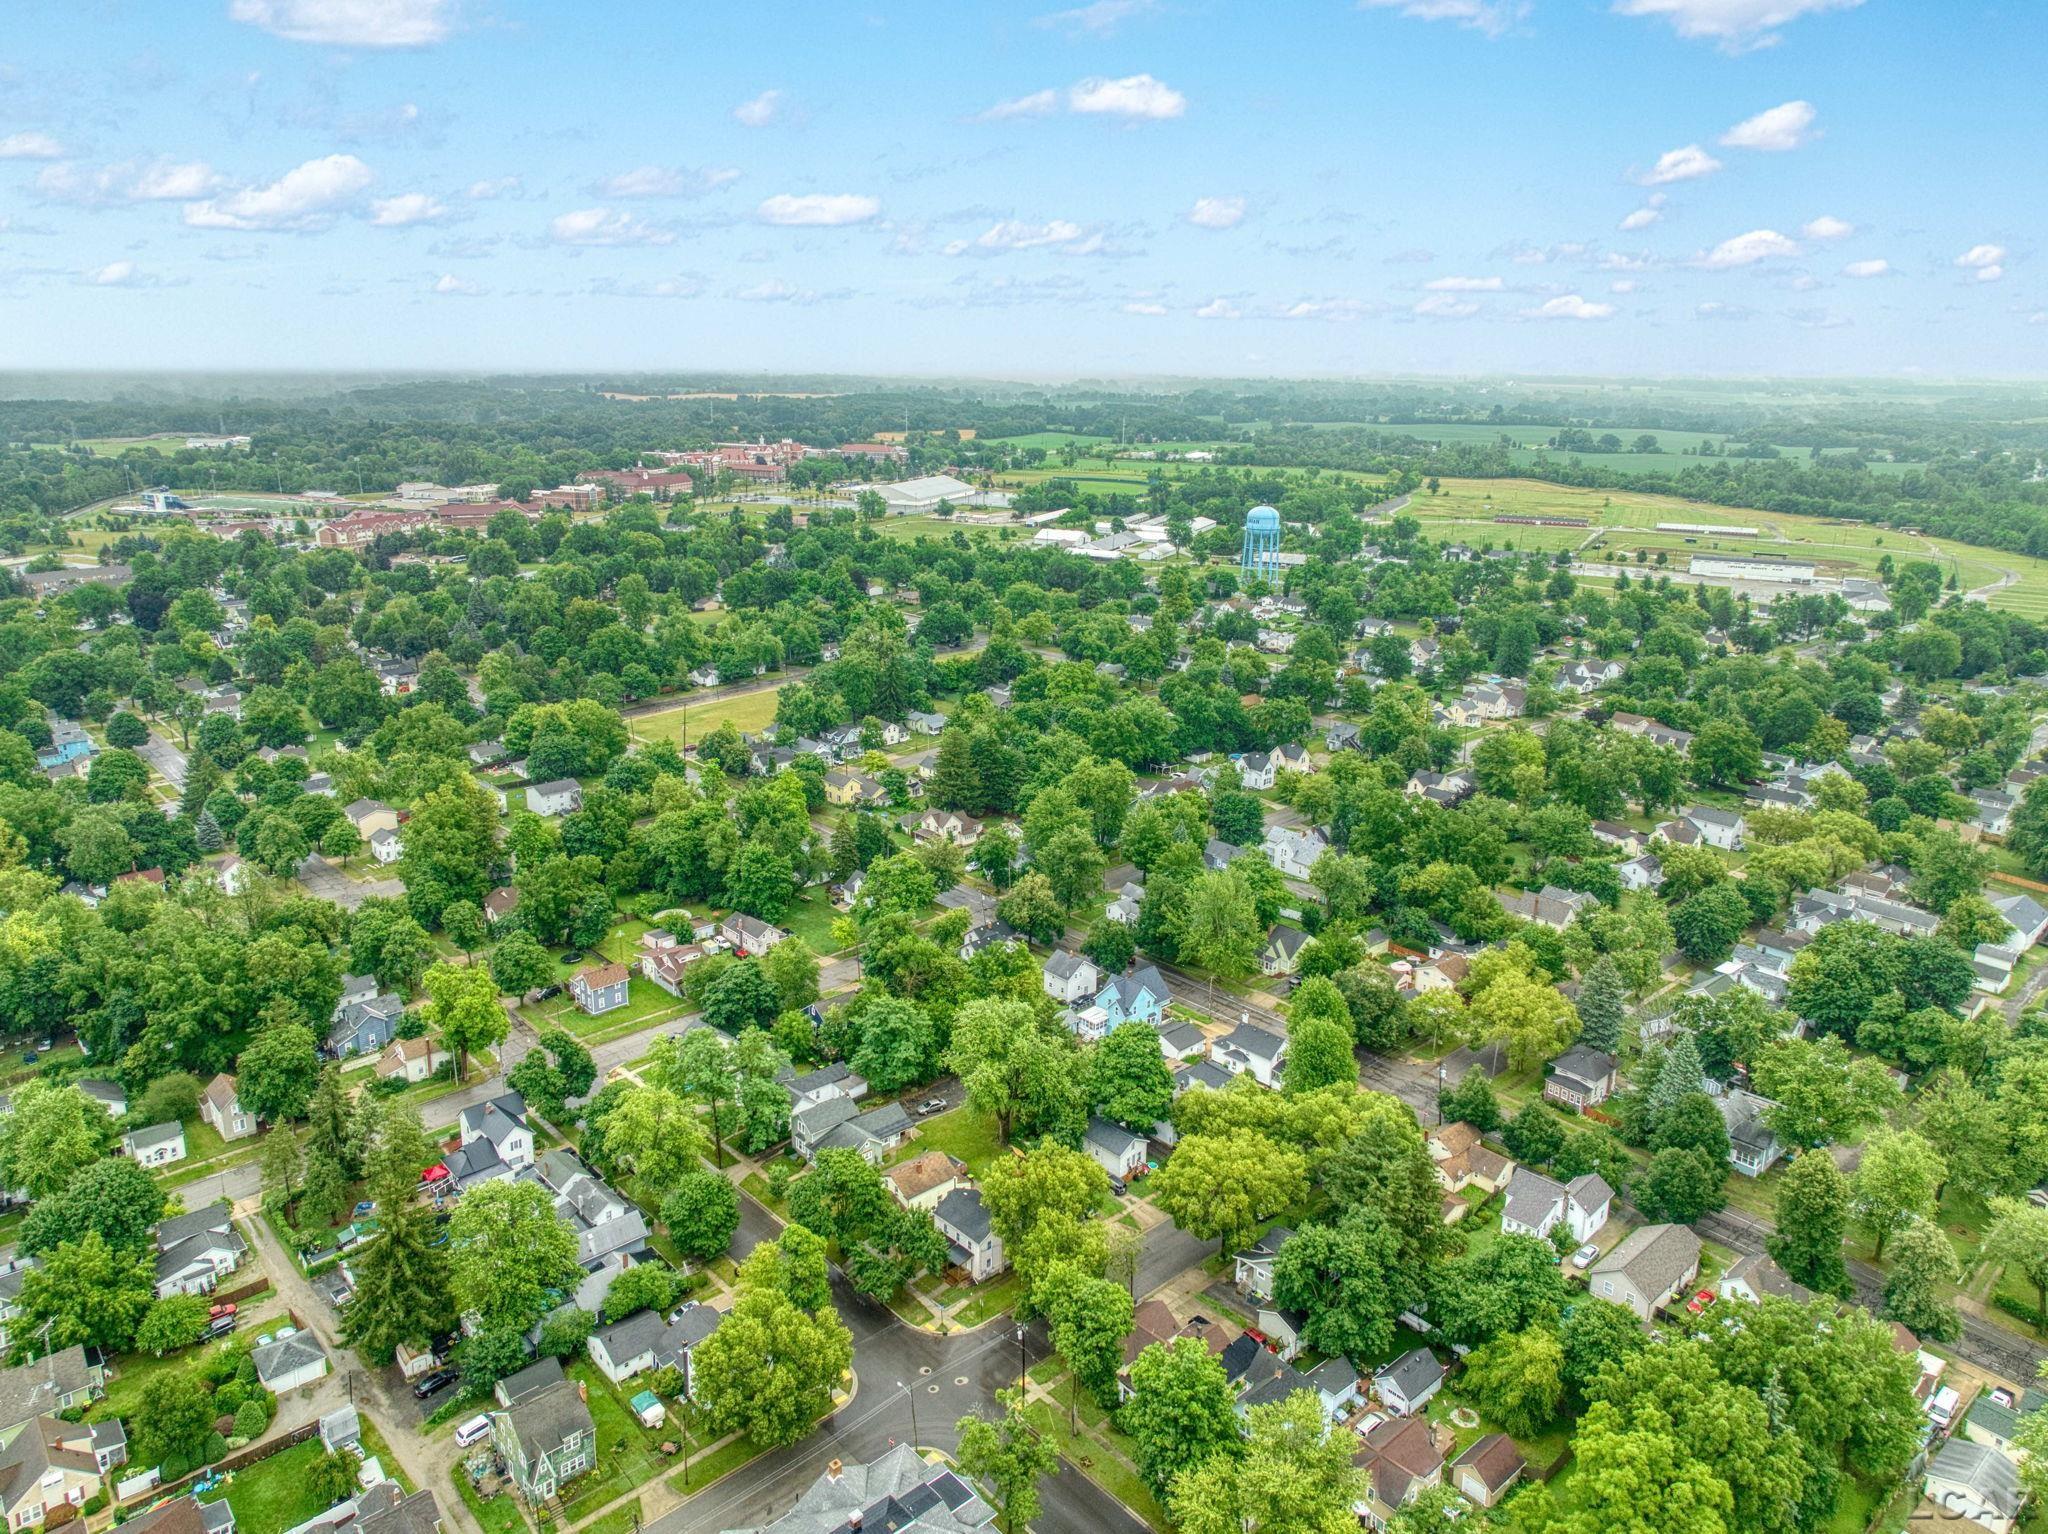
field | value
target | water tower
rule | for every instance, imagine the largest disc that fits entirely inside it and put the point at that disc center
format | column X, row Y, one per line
column 1261, row 558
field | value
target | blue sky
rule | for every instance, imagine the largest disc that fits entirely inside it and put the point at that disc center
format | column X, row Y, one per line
column 1291, row 187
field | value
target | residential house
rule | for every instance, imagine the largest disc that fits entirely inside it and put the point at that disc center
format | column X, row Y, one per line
column 1125, row 908
column 949, row 826
column 823, row 1084
column 1488, row 1469
column 1180, row 1041
column 500, row 903
column 1294, row 850
column 370, row 816
column 1463, row 1160
column 110, row 1095
column 844, row 789
column 1652, row 730
column 1341, row 736
column 1257, row 770
column 1752, row 1277
column 1612, row 833
column 1724, row 829
column 1409, row 1383
column 195, row 1251
column 1649, row 1269
column 1995, row 1424
column 899, row 1491
column 925, row 724
column 386, row 847
column 184, row 1515
column 558, row 796
column 1583, row 677
column 295, row 1358
column 231, row 874
column 1293, row 758
column 157, row 1145
column 412, row 1060
column 1548, row 907
column 65, row 1379
column 1282, row 949
column 1070, row 977
column 1218, row 854
column 600, row 988
column 13, row 1270
column 1250, row 1048
column 749, row 935
column 1580, row 1078
column 645, row 1341
column 1283, row 1329
column 1972, row 1483
column 1752, row 1147
column 1254, row 1265
column 48, row 1464
column 542, row 1430
column 1401, row 1460
column 221, row 1106
column 1537, row 1205
column 1645, row 872
column 500, row 1123
column 1114, row 1148
column 973, row 1245
column 922, row 1181
column 1140, row 995
column 364, row 1027
column 838, row 1124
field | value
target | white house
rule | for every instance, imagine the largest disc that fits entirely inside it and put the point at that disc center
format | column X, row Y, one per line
column 1256, row 770
column 157, row 1145
column 1536, row 1205
column 1410, row 1382
column 221, row 1106
column 1114, row 1148
column 1070, row 977
column 386, row 846
column 1294, row 851
column 1717, row 828
column 1250, row 1048
column 561, row 796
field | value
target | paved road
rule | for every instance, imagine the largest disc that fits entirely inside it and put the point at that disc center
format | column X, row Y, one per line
column 323, row 879
column 1983, row 1343
column 165, row 759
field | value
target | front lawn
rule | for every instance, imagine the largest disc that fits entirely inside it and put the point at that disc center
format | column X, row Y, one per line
column 645, row 1002
column 964, row 1133
column 276, row 1493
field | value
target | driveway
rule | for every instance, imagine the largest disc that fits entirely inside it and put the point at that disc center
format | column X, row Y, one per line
column 165, row 759
column 326, row 881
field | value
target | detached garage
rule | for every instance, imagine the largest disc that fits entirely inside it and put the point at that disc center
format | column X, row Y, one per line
column 289, row 1362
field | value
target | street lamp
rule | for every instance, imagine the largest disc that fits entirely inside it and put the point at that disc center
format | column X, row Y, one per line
column 1021, row 1370
column 1439, row 1092
column 911, row 1393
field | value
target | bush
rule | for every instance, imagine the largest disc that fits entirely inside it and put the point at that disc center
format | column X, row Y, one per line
column 177, row 1321
column 60, row 1515
column 229, row 1397
column 251, row 1419
column 175, row 1096
column 332, row 1479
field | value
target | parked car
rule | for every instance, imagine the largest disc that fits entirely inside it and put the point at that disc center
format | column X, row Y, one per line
column 932, row 1105
column 218, row 1328
column 434, row 1383
column 367, row 1206
column 1585, row 1255
column 1116, row 1186
column 225, row 1309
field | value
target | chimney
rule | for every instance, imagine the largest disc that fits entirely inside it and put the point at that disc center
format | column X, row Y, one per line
column 583, row 1392
column 832, row 1471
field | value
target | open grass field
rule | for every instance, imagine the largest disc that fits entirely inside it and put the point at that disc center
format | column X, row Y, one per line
column 750, row 711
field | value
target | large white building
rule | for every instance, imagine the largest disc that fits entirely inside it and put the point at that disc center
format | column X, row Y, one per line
column 1753, row 567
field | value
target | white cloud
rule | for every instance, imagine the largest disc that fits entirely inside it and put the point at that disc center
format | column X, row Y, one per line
column 1987, row 261
column 1139, row 96
column 1714, row 309
column 159, row 180
column 1688, row 163
column 606, row 226
column 2038, row 317
column 818, row 209
column 759, row 112
column 1217, row 212
column 1015, row 234
column 1819, row 319
column 1217, row 309
column 1494, row 18
column 1097, row 20
column 1648, row 214
column 775, row 291
column 1131, row 96
column 1827, row 227
column 1736, row 26
column 452, row 286
column 1441, row 306
column 666, row 181
column 1570, row 306
column 485, row 191
column 1330, row 310
column 115, row 274
column 305, row 197
column 1874, row 268
column 1149, row 310
column 405, row 209
column 1037, row 104
column 1464, row 285
column 1622, row 285
column 1777, row 130
column 349, row 23
column 30, row 146
column 1747, row 250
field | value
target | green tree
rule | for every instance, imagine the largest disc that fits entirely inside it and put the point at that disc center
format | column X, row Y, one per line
column 403, row 1277
column 1089, row 1317
column 114, row 1197
column 463, row 1008
column 462, row 923
column 1217, row 927
column 50, row 1133
column 1350, row 1279
column 792, row 969
column 1812, row 1217
column 519, row 964
column 1680, row 1186
column 1295, row 1474
column 1318, row 1053
column 1533, row 1136
column 652, row 1136
column 1518, row 1380
column 276, row 1074
column 771, row 1367
column 2018, row 1241
column 84, row 1291
column 1007, row 1458
column 1602, row 1006
column 508, row 1255
column 1919, row 1286
column 898, row 1044
column 1707, row 925
column 1894, row 1184
column 1180, row 1412
column 1012, row 1069
column 174, row 1421
column 1218, row 1187
column 176, row 1321
column 1128, row 1079
column 702, row 1215
column 1529, row 1016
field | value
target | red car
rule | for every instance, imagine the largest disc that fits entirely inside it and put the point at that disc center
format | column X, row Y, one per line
column 218, row 1311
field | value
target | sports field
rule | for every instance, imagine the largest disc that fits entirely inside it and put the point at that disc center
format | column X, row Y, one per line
column 752, row 711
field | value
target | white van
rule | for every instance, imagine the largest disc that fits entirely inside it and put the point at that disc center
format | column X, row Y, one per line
column 475, row 1430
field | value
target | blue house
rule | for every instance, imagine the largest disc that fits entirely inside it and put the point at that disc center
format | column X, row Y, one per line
column 1140, row 996
column 68, row 742
column 364, row 1027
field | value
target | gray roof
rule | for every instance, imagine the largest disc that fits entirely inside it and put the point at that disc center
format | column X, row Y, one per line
column 531, row 1380
column 1531, row 1196
column 1989, row 1474
column 1062, row 965
column 1653, row 1258
column 1584, row 1064
column 555, row 786
column 963, row 1211
column 547, row 1418
column 27, row 1391
column 1114, row 1138
column 1412, row 1373
column 155, row 1135
column 898, row 1491
column 287, row 1355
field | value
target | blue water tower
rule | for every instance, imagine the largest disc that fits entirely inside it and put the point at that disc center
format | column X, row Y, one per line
column 1261, row 558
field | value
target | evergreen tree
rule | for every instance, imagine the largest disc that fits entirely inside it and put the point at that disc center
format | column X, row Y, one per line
column 402, row 1277
column 1813, row 1215
column 1679, row 1074
column 1602, row 1006
column 207, row 833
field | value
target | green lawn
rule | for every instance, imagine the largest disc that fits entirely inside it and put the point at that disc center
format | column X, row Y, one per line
column 645, row 1002
column 500, row 1515
column 688, row 721
column 1102, row 1454
column 276, row 1493
column 966, row 1134
column 990, row 1300
column 811, row 918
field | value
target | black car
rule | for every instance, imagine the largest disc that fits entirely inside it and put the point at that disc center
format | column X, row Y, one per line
column 433, row 1384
